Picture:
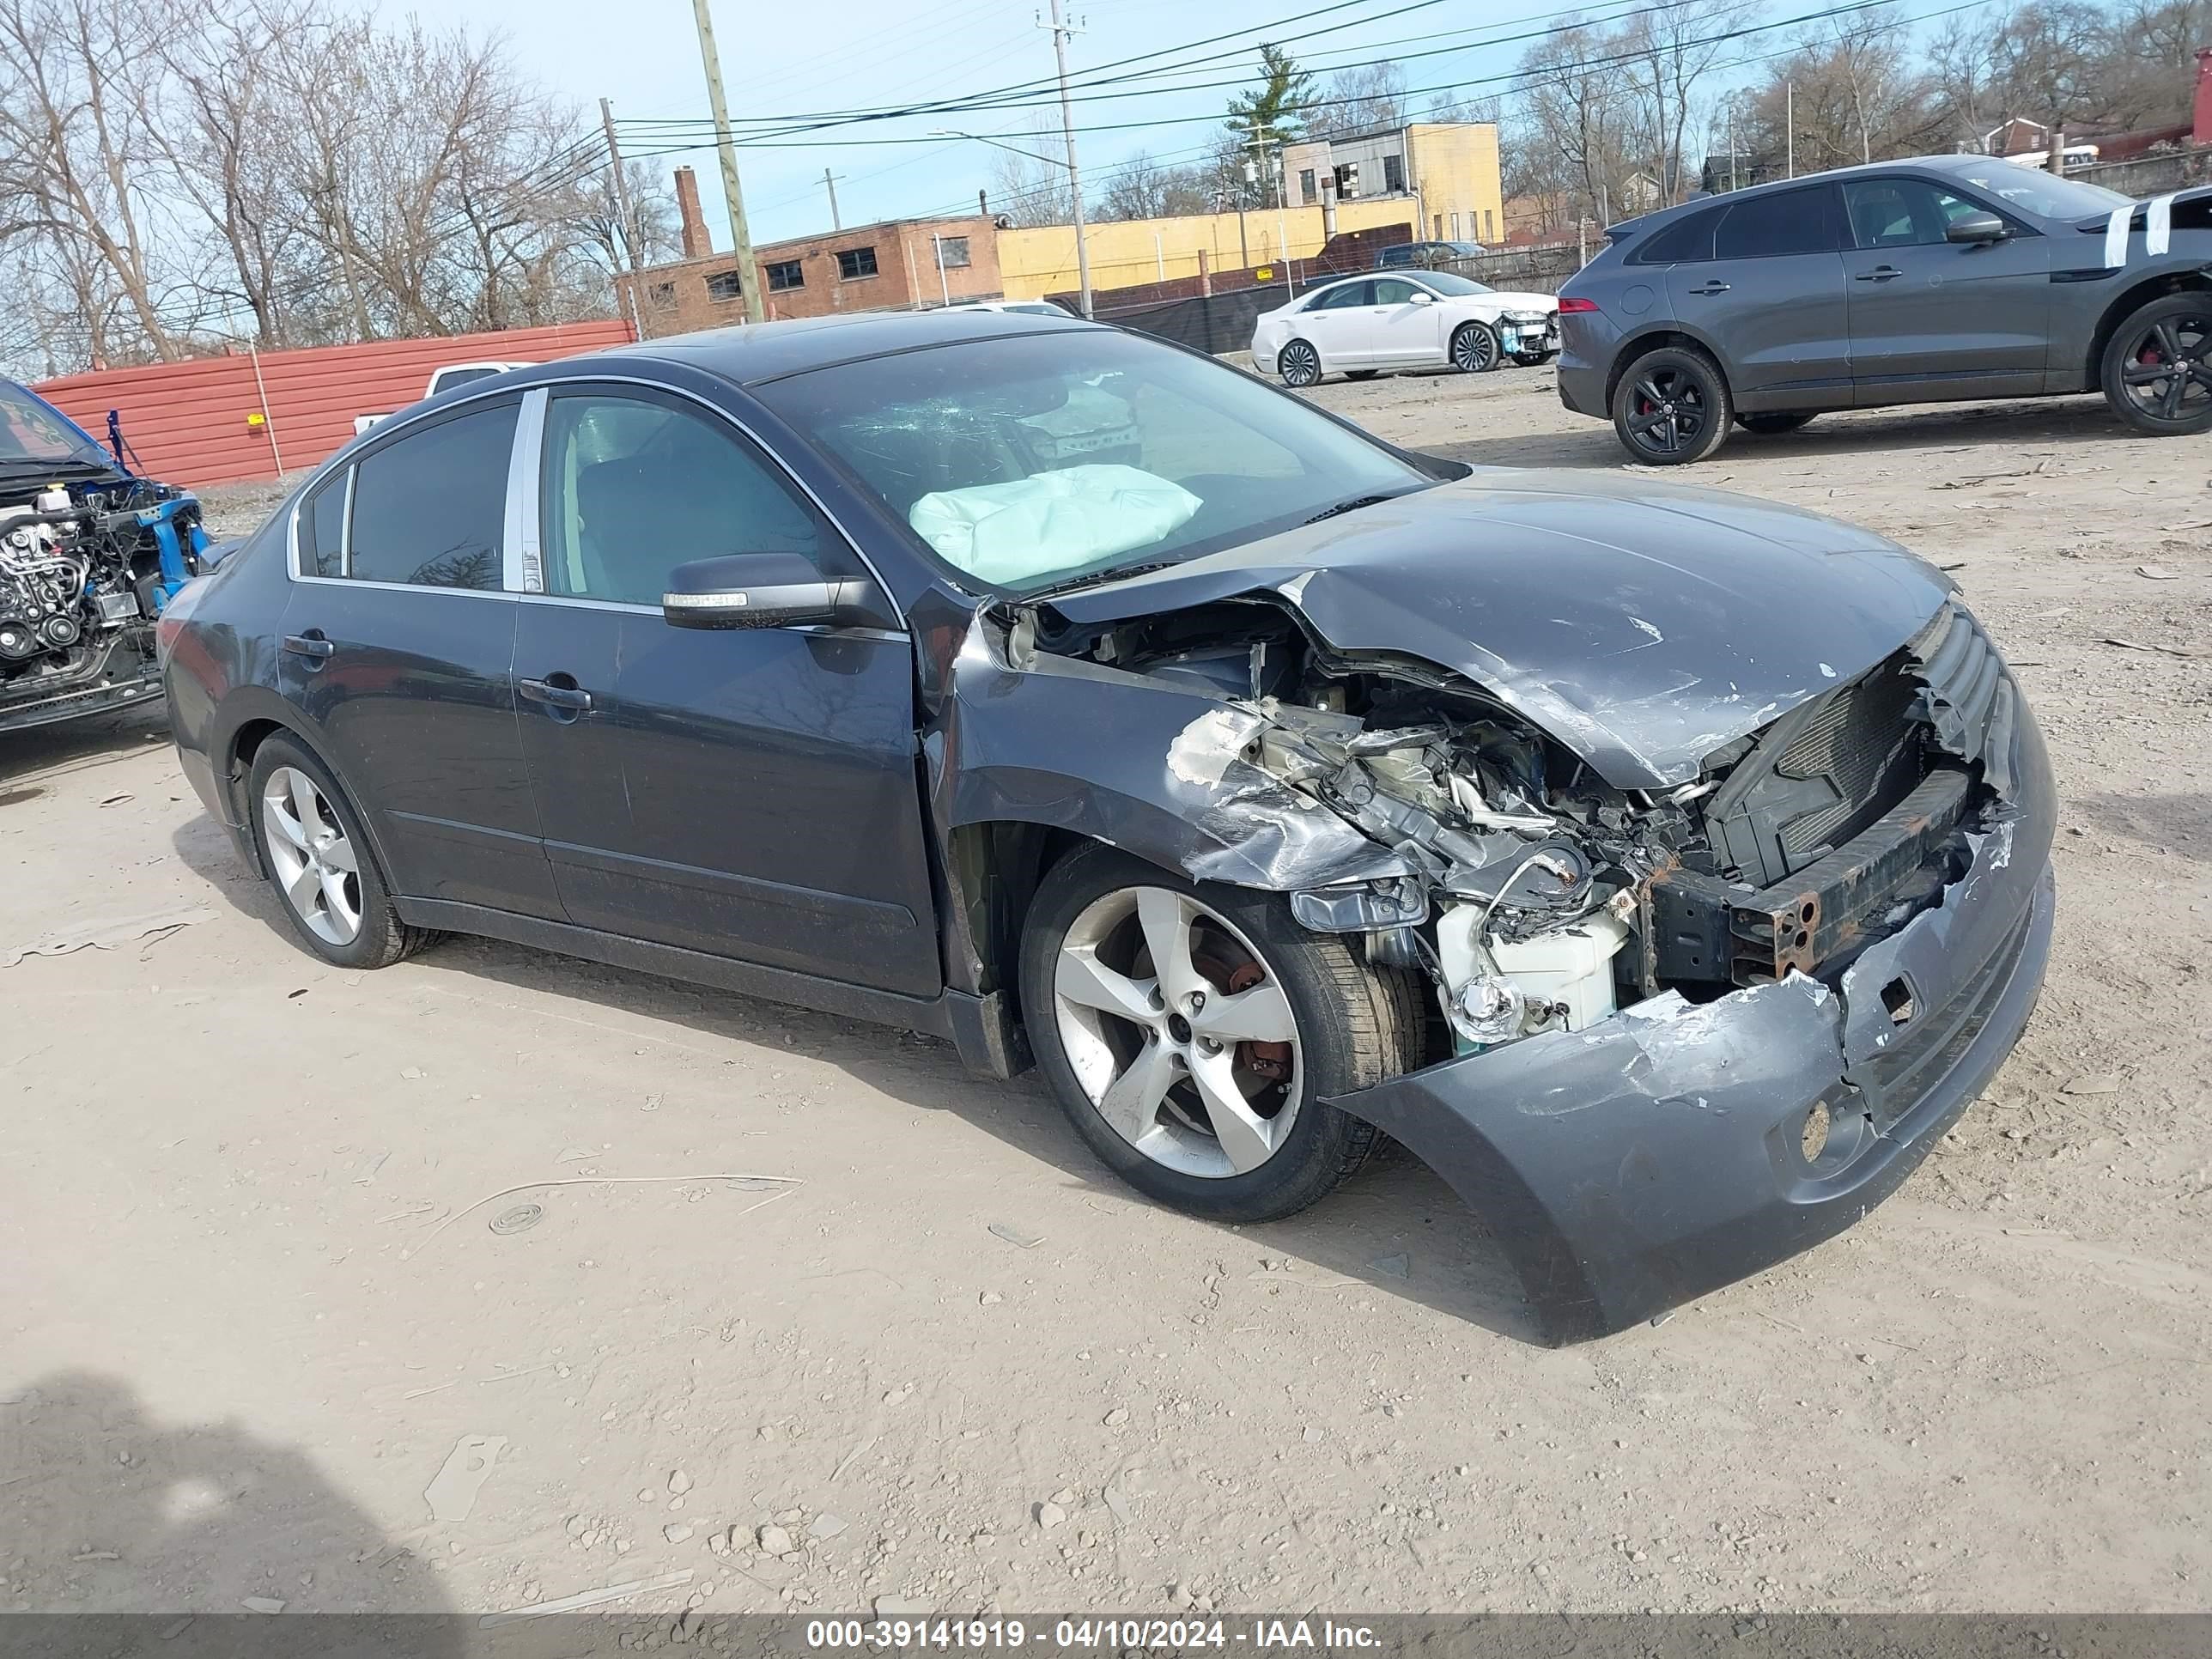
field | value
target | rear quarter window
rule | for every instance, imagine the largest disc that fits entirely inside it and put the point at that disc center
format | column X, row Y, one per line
column 1690, row 238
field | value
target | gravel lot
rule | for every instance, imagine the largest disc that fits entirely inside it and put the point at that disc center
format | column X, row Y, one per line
column 255, row 1299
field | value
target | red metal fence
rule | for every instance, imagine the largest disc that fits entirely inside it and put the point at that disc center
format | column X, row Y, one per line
column 223, row 419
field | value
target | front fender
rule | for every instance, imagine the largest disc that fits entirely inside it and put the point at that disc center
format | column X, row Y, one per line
column 1134, row 763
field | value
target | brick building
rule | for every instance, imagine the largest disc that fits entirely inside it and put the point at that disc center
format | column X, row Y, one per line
column 900, row 264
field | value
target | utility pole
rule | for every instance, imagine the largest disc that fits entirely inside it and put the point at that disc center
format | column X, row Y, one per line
column 1060, row 31
column 830, row 183
column 733, row 193
column 625, row 226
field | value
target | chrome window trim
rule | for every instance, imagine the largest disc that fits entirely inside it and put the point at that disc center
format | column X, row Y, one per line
column 716, row 411
column 522, row 562
column 345, row 522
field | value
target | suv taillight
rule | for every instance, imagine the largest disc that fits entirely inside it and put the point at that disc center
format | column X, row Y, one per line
column 1570, row 304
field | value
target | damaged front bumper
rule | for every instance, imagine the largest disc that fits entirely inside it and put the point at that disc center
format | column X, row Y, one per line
column 1663, row 1152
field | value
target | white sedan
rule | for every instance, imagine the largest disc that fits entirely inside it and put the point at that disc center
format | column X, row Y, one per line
column 1362, row 326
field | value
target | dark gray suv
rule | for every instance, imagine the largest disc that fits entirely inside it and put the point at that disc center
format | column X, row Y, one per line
column 1926, row 281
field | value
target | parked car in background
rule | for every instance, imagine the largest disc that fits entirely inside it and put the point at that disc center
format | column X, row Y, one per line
column 444, row 379
column 1361, row 325
column 1400, row 256
column 1926, row 281
column 90, row 553
column 1239, row 780
column 1025, row 308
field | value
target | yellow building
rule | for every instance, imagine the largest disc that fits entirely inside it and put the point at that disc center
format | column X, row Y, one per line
column 1448, row 168
column 1127, row 252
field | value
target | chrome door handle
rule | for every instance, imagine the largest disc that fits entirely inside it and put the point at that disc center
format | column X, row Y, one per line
column 571, row 697
column 1711, row 288
column 1878, row 274
column 311, row 645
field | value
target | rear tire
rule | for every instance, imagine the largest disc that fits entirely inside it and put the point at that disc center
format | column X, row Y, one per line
column 2157, row 368
column 1672, row 407
column 1299, row 365
column 1771, row 426
column 319, row 862
column 1137, row 1049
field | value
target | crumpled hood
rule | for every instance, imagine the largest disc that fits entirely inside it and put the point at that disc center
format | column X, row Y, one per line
column 1643, row 624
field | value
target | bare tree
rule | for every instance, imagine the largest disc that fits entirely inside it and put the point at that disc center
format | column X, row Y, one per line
column 1360, row 98
column 1027, row 186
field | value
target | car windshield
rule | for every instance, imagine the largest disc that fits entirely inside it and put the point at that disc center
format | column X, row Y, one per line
column 33, row 434
column 2046, row 195
column 1027, row 462
column 1452, row 285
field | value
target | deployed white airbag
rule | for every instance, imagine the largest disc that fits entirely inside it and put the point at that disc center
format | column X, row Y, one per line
column 1050, row 521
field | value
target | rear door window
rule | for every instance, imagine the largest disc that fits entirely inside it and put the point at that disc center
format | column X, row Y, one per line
column 1342, row 299
column 1802, row 221
column 429, row 510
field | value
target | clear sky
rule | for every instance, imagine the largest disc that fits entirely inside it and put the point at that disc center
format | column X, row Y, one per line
column 785, row 57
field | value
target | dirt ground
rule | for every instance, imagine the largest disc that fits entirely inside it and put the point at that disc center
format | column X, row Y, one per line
column 256, row 1297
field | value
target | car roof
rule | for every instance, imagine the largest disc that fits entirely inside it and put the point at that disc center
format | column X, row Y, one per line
column 750, row 353
column 1955, row 165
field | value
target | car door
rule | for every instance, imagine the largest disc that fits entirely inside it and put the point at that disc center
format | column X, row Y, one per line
column 398, row 646
column 1771, row 298
column 1335, row 322
column 1932, row 318
column 1405, row 324
column 750, row 793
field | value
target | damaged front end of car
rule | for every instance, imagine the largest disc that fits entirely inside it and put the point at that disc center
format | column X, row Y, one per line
column 1683, row 1028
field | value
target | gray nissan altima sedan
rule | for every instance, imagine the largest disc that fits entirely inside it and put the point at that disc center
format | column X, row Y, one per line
column 1668, row 869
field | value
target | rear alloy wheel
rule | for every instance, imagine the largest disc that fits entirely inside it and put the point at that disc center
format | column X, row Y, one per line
column 317, row 860
column 1474, row 348
column 2157, row 372
column 1299, row 365
column 1774, row 425
column 1193, row 1031
column 1672, row 407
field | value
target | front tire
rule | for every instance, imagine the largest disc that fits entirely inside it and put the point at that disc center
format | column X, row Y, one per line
column 1192, row 1032
column 1672, row 407
column 2157, row 368
column 319, row 862
column 1475, row 348
column 1299, row 365
column 1773, row 425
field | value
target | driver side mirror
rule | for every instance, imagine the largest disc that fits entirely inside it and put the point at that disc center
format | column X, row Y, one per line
column 1977, row 229
column 1423, row 297
column 760, row 590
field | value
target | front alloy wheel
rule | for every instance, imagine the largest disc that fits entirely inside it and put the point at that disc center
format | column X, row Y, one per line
column 1180, row 1039
column 1195, row 1033
column 1299, row 365
column 2158, row 370
column 1474, row 348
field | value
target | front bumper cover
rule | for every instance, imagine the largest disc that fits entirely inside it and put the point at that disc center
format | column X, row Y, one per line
column 1631, row 1167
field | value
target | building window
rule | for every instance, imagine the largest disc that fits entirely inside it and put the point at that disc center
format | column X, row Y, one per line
column 1489, row 228
column 784, row 275
column 1393, row 175
column 723, row 285
column 1347, row 182
column 855, row 262
column 662, row 293
column 1306, row 186
column 952, row 252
